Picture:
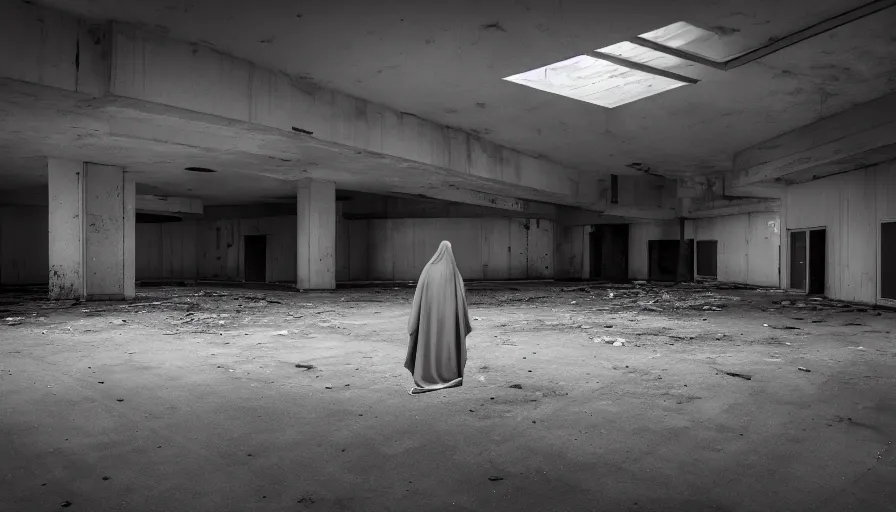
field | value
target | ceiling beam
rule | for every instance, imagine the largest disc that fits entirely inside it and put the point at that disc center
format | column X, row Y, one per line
column 869, row 127
column 637, row 66
column 675, row 52
column 776, row 46
column 168, row 204
column 810, row 32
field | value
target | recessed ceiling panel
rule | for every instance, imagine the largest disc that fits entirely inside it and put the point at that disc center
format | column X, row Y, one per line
column 595, row 81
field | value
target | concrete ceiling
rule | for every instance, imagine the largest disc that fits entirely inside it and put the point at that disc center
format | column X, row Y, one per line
column 445, row 61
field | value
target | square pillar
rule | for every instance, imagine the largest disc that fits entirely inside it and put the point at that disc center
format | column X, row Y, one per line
column 316, row 224
column 91, row 229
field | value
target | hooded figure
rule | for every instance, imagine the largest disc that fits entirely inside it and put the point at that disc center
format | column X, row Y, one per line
column 438, row 326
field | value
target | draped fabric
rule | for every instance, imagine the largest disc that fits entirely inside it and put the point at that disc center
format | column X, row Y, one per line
column 438, row 325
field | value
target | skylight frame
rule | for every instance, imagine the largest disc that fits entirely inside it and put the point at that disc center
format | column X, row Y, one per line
column 599, row 80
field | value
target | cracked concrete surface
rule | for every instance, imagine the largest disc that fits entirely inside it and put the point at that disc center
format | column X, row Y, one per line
column 190, row 399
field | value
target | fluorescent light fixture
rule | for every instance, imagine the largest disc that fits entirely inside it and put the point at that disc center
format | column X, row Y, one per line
column 686, row 37
column 641, row 55
column 595, row 81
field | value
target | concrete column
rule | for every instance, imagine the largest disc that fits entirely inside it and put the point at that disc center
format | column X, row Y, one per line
column 91, row 229
column 316, row 219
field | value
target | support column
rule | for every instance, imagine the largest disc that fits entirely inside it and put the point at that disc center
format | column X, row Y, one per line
column 91, row 229
column 316, row 220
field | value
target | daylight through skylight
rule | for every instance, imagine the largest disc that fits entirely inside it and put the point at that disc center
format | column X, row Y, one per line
column 595, row 81
column 686, row 37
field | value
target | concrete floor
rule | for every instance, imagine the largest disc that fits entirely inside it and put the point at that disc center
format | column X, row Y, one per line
column 189, row 399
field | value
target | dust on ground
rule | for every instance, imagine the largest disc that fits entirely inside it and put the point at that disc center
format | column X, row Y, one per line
column 576, row 397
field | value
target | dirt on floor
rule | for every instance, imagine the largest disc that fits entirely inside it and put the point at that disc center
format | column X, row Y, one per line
column 587, row 397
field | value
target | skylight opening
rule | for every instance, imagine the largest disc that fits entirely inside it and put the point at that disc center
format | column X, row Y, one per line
column 701, row 42
column 595, row 81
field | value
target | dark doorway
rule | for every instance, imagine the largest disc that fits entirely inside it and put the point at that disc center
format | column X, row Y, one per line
column 609, row 252
column 708, row 258
column 888, row 260
column 798, row 260
column 817, row 260
column 255, row 259
column 663, row 256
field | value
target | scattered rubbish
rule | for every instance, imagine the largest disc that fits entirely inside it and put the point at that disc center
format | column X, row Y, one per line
column 585, row 327
column 305, row 366
column 106, row 478
column 852, row 324
column 119, row 321
column 782, row 327
column 65, row 503
column 476, row 318
column 573, row 302
column 800, row 368
column 281, row 333
column 618, row 343
column 119, row 399
column 495, row 478
column 516, row 386
column 858, row 348
column 648, row 307
column 735, row 374
column 328, row 386
column 711, row 308
column 611, row 340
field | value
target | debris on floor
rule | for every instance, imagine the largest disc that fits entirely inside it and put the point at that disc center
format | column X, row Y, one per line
column 735, row 374
column 800, row 368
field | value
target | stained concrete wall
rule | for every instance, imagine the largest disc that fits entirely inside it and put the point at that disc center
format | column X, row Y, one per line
column 214, row 249
column 24, row 246
column 485, row 248
column 572, row 255
column 748, row 246
column 851, row 207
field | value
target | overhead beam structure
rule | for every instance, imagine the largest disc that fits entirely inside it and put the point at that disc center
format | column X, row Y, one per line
column 776, row 46
column 870, row 127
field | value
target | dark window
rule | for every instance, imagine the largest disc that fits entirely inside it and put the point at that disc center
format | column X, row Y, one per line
column 707, row 258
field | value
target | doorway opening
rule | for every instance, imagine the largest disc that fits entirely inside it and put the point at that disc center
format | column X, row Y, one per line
column 708, row 259
column 808, row 260
column 817, row 260
column 255, row 256
column 887, row 263
column 609, row 252
column 664, row 256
